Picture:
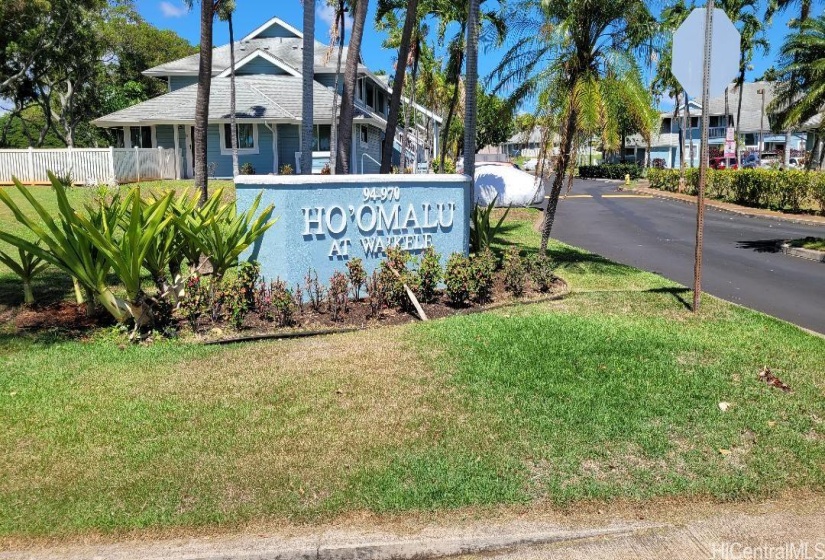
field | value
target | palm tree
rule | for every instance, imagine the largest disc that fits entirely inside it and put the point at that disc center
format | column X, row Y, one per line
column 308, row 75
column 202, row 98
column 350, row 82
column 470, row 108
column 337, row 35
column 574, row 57
column 398, row 83
column 800, row 92
column 744, row 14
column 225, row 11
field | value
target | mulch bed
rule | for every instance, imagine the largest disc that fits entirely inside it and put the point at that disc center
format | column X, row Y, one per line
column 70, row 318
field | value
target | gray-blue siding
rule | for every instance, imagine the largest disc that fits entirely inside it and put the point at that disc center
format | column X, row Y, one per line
column 288, row 144
column 177, row 82
column 372, row 150
column 259, row 66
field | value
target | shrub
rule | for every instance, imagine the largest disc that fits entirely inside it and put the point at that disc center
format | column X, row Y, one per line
column 482, row 231
column 246, row 280
column 298, row 298
column 287, row 169
column 325, row 170
column 314, row 290
column 610, row 171
column 234, row 302
column 246, row 169
column 397, row 259
column 788, row 190
column 429, row 274
column 357, row 276
column 515, row 274
column 338, row 295
column 541, row 270
column 274, row 303
column 194, row 303
column 377, row 294
column 482, row 276
column 457, row 279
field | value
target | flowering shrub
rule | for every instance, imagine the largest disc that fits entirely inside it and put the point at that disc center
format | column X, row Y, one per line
column 482, row 275
column 429, row 274
column 338, row 295
column 195, row 302
column 274, row 303
column 397, row 259
column 357, row 276
column 248, row 274
column 377, row 293
column 515, row 274
column 457, row 279
column 314, row 290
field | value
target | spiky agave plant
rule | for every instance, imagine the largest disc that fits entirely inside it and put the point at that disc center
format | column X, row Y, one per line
column 61, row 243
column 27, row 266
column 482, row 230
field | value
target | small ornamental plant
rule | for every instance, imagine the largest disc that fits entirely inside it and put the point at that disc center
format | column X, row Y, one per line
column 397, row 259
column 541, row 270
column 482, row 276
column 457, row 279
column 429, row 274
column 298, row 298
column 357, row 276
column 246, row 169
column 287, row 169
column 376, row 294
column 195, row 302
column 274, row 303
column 314, row 290
column 247, row 278
column 515, row 273
column 338, row 295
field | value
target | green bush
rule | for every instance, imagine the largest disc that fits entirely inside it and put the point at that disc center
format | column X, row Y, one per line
column 482, row 276
column 457, row 279
column 429, row 273
column 610, row 171
column 515, row 272
column 789, row 190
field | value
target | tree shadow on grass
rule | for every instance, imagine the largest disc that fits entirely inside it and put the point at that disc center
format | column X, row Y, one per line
column 50, row 286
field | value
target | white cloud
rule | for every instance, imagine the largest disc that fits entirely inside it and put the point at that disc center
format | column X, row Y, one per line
column 326, row 14
column 171, row 10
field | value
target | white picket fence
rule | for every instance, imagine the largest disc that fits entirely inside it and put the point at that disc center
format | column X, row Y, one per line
column 90, row 165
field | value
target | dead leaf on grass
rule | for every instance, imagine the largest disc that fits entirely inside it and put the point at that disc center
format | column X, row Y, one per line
column 724, row 406
column 768, row 377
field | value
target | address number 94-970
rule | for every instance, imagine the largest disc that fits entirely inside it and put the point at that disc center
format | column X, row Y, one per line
column 383, row 194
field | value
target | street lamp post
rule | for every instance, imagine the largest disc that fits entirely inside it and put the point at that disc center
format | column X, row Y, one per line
column 761, row 92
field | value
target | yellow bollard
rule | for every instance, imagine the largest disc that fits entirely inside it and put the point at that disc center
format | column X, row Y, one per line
column 627, row 178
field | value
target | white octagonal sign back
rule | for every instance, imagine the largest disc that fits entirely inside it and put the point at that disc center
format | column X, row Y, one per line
column 688, row 53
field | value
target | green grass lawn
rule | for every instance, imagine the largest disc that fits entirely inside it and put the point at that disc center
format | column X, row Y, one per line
column 611, row 392
column 814, row 243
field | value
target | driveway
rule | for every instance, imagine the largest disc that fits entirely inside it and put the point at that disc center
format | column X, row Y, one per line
column 741, row 261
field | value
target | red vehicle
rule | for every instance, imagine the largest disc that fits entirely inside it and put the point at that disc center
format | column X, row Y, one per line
column 723, row 163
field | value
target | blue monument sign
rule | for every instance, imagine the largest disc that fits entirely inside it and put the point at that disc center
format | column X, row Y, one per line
column 325, row 220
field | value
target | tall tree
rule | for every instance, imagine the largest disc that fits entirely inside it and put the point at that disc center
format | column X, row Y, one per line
column 470, row 106
column 337, row 36
column 398, row 83
column 575, row 56
column 308, row 76
column 342, row 162
column 225, row 10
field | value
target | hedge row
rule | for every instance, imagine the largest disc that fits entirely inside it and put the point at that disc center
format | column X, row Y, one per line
column 610, row 171
column 790, row 190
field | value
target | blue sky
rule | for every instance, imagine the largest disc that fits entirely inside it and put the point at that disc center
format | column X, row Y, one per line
column 172, row 14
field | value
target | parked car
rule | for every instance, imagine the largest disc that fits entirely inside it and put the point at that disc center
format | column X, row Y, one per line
column 769, row 160
column 532, row 165
column 751, row 161
column 723, row 163
column 795, row 163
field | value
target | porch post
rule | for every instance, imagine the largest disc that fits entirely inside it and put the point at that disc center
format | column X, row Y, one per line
column 177, row 151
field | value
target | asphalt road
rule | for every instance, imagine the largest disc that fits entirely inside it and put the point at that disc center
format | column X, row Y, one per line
column 741, row 262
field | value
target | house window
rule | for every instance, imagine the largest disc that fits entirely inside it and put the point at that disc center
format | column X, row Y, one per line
column 247, row 139
column 141, row 136
column 694, row 122
column 365, row 135
column 246, row 136
column 321, row 138
column 370, row 95
column 665, row 128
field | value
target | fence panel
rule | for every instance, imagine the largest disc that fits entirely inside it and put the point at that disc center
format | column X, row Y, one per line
column 14, row 163
column 124, row 162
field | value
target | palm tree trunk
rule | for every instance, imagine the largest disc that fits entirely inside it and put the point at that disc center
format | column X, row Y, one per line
column 350, row 81
column 417, row 50
column 308, row 74
column 333, row 140
column 232, row 103
column 562, row 167
column 398, row 87
column 202, row 101
column 449, row 121
column 471, row 91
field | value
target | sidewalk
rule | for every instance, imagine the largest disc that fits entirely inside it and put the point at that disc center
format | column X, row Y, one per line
column 729, row 207
column 618, row 531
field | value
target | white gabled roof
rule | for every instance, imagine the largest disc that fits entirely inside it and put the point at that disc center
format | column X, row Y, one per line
column 274, row 21
column 264, row 55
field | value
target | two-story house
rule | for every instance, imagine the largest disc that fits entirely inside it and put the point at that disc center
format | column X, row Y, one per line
column 268, row 63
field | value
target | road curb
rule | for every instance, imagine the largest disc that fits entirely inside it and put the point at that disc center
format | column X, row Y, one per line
column 802, row 253
column 722, row 207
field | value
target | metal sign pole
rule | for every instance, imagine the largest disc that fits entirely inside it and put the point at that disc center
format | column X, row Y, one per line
column 703, row 163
